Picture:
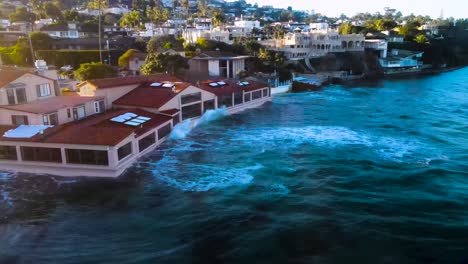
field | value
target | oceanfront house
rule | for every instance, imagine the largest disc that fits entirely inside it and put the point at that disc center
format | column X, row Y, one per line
column 217, row 64
column 402, row 61
column 315, row 43
column 111, row 122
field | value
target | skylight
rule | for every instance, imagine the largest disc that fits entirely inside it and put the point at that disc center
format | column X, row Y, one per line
column 25, row 131
column 156, row 84
column 168, row 85
column 130, row 119
column 221, row 83
column 213, row 84
column 243, row 83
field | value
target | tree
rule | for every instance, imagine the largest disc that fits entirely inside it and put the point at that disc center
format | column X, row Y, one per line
column 157, row 43
column 110, row 19
column 71, row 15
column 21, row 14
column 41, row 41
column 158, row 15
column 201, row 43
column 218, row 18
column 94, row 70
column 421, row 39
column 131, row 19
column 124, row 59
column 98, row 4
column 202, row 8
column 52, row 11
column 185, row 7
column 345, row 29
column 164, row 62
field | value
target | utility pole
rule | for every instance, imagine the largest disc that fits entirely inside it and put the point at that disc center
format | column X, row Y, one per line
column 99, row 28
column 31, row 47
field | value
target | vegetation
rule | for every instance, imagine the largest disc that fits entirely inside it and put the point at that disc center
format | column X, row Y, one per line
column 160, row 62
column 40, row 41
column 94, row 70
column 124, row 59
column 75, row 57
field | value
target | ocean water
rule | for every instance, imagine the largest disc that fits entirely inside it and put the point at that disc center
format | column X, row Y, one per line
column 371, row 173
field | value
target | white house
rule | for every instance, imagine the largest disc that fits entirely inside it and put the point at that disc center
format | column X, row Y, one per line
column 247, row 24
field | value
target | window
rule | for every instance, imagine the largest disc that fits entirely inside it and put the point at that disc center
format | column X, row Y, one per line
column 175, row 120
column 190, row 98
column 79, row 112
column 86, row 156
column 147, row 141
column 99, row 107
column 256, row 95
column 16, row 96
column 164, row 131
column 225, row 100
column 265, row 92
column 238, row 98
column 208, row 105
column 68, row 113
column 43, row 90
column 8, row 153
column 247, row 97
column 41, row 154
column 124, row 151
column 50, row 119
column 19, row 120
column 191, row 111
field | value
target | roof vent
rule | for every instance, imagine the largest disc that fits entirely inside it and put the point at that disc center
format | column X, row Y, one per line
column 156, row 84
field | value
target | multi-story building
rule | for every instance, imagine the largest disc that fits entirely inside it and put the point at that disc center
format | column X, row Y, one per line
column 139, row 114
column 301, row 45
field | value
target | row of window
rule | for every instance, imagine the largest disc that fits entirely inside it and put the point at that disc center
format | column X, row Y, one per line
column 18, row 95
column 226, row 100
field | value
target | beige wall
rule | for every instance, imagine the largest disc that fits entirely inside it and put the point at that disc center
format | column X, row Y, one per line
column 36, row 119
column 5, row 117
column 175, row 102
column 110, row 94
column 30, row 81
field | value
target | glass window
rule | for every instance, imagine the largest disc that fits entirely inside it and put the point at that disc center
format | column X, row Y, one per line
column 41, row 154
column 19, row 120
column 86, row 156
column 191, row 111
column 68, row 113
column 225, row 100
column 175, row 120
column 79, row 112
column 11, row 96
column 99, row 107
column 190, row 98
column 21, row 95
column 247, row 97
column 43, row 90
column 238, row 98
column 8, row 153
column 265, row 92
column 208, row 105
column 125, row 150
column 256, row 95
column 147, row 141
column 164, row 131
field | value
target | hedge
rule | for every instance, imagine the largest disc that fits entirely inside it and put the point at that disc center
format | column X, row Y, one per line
column 74, row 58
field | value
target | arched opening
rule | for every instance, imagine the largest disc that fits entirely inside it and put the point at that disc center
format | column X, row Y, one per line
column 344, row 45
column 323, row 46
column 350, row 45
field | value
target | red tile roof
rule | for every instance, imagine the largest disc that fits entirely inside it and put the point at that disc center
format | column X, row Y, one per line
column 230, row 87
column 170, row 112
column 9, row 74
column 121, row 81
column 95, row 130
column 52, row 104
column 151, row 97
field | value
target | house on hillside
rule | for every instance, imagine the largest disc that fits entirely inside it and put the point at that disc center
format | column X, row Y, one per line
column 400, row 61
column 220, row 64
column 136, row 61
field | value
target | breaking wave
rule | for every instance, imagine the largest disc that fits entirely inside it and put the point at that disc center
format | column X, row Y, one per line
column 182, row 129
column 208, row 177
column 388, row 148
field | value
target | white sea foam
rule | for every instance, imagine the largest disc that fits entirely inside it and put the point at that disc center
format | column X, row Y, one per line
column 214, row 178
column 388, row 148
column 182, row 129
